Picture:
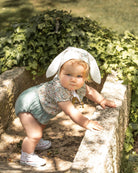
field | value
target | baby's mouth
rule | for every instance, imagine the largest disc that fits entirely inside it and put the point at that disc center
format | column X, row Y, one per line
column 73, row 85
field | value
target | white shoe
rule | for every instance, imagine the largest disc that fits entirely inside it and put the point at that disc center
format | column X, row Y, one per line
column 43, row 145
column 31, row 160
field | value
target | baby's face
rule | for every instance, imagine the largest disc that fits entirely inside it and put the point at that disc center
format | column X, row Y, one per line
column 72, row 76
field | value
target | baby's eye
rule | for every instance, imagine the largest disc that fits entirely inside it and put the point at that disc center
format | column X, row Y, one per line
column 68, row 74
column 79, row 76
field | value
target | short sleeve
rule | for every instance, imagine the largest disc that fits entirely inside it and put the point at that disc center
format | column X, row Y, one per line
column 52, row 92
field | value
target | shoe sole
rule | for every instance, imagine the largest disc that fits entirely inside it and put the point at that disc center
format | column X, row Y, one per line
column 26, row 164
column 43, row 148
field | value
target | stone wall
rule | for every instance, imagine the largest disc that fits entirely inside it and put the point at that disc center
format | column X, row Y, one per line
column 12, row 83
column 100, row 152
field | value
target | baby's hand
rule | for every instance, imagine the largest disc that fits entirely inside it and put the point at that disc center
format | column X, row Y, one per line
column 106, row 102
column 94, row 125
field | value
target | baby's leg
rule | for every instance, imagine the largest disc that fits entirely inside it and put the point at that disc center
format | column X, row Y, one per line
column 33, row 131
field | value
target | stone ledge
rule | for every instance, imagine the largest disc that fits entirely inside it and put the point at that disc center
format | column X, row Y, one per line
column 100, row 152
column 12, row 83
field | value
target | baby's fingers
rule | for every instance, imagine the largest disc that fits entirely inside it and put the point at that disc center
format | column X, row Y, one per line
column 94, row 125
column 112, row 104
column 108, row 103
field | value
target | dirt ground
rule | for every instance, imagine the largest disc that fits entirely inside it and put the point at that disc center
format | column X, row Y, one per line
column 64, row 134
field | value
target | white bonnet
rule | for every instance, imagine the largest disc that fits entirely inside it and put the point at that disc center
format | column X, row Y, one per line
column 74, row 53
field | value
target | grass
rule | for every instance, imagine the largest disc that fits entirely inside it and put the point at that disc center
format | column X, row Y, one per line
column 118, row 15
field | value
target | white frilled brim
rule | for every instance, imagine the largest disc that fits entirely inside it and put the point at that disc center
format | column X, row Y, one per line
column 74, row 53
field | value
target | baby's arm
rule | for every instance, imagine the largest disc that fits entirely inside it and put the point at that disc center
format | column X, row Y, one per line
column 95, row 96
column 77, row 117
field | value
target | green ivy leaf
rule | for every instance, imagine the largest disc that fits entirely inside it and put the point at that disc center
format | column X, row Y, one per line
column 128, row 147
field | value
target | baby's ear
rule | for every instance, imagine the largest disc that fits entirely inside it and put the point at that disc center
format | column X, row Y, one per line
column 88, row 78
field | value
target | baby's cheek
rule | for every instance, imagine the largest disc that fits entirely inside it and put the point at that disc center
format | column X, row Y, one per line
column 81, row 82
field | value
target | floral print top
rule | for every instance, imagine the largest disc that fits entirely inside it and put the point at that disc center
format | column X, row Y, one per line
column 52, row 92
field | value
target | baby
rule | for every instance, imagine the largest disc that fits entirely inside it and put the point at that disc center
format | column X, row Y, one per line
column 38, row 104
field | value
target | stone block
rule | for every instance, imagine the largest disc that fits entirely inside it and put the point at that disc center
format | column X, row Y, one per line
column 4, row 109
column 100, row 151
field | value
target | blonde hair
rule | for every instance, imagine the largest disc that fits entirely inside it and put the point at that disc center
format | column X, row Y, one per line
column 79, row 62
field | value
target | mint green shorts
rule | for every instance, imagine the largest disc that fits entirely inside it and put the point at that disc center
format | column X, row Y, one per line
column 28, row 101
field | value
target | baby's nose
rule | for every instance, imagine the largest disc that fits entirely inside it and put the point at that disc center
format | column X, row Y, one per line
column 73, row 78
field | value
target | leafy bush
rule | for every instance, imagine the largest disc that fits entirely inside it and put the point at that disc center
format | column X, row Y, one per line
column 35, row 43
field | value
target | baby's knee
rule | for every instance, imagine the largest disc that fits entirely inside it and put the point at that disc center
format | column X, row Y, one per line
column 35, row 136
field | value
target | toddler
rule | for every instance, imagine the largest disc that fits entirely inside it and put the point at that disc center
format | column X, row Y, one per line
column 38, row 104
